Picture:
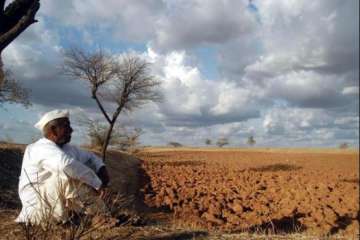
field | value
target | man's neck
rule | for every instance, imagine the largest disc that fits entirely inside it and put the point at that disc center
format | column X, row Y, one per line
column 60, row 145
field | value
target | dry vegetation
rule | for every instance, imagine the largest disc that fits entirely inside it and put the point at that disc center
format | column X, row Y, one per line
column 192, row 193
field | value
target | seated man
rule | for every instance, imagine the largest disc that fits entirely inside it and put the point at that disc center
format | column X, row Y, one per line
column 55, row 175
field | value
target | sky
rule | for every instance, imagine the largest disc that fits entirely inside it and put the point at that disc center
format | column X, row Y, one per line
column 283, row 71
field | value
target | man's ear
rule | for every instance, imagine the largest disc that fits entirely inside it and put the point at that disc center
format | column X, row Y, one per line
column 53, row 130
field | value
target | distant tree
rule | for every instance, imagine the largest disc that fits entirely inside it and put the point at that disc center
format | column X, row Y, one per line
column 14, row 19
column 175, row 144
column 11, row 91
column 125, row 139
column 344, row 146
column 208, row 142
column 222, row 142
column 129, row 140
column 125, row 83
column 251, row 141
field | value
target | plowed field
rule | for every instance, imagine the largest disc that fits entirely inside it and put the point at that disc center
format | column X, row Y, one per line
column 277, row 191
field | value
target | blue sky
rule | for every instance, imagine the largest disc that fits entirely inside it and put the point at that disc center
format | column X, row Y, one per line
column 286, row 72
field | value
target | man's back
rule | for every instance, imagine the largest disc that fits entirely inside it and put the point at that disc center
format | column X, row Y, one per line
column 45, row 162
column 41, row 159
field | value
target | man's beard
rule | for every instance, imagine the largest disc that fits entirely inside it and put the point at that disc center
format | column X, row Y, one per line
column 65, row 140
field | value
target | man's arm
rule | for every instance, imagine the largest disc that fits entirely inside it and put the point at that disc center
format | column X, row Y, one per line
column 79, row 171
column 56, row 160
column 98, row 164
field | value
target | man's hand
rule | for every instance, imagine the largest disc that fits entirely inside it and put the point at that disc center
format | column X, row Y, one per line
column 104, row 176
column 104, row 193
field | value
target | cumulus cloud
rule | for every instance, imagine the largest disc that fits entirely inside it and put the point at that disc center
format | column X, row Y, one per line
column 316, row 125
column 352, row 90
column 288, row 71
column 191, row 99
column 290, row 120
column 35, row 58
column 301, row 62
column 192, row 23
column 119, row 19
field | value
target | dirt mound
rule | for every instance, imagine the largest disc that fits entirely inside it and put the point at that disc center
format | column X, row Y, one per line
column 124, row 170
column 257, row 191
column 10, row 165
column 127, row 178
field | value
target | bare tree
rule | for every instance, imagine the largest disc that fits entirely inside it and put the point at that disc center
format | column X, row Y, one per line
column 344, row 145
column 251, row 140
column 124, row 138
column 129, row 140
column 96, row 132
column 14, row 19
column 12, row 91
column 222, row 142
column 175, row 144
column 125, row 83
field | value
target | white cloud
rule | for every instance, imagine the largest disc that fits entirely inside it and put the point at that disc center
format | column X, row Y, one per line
column 232, row 98
column 297, row 54
column 135, row 21
column 353, row 90
column 191, row 23
column 188, row 94
column 291, row 120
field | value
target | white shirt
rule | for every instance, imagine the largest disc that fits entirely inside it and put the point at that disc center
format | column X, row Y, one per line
column 44, row 158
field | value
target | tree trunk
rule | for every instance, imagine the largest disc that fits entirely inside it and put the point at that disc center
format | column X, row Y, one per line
column 108, row 134
column 107, row 140
column 22, row 15
column 2, row 73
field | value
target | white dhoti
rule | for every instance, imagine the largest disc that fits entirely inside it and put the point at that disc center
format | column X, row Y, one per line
column 55, row 198
column 54, row 179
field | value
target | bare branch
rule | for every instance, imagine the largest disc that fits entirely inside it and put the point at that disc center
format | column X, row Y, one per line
column 135, row 86
column 12, row 91
column 102, row 108
column 14, row 19
column 126, row 83
column 17, row 17
column 96, row 69
column 2, row 4
column 2, row 73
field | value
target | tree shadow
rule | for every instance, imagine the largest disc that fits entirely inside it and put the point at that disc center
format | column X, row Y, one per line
column 10, row 168
column 184, row 163
column 354, row 180
column 183, row 235
column 342, row 222
column 145, row 186
column 276, row 168
column 155, row 155
column 178, row 163
column 285, row 225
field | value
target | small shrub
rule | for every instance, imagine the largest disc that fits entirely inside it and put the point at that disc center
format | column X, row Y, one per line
column 251, row 141
column 344, row 146
column 175, row 144
column 222, row 142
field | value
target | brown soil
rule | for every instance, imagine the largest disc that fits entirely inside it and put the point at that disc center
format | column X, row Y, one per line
column 200, row 194
column 127, row 179
column 315, row 192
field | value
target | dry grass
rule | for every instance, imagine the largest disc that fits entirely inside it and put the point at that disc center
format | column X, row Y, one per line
column 164, row 225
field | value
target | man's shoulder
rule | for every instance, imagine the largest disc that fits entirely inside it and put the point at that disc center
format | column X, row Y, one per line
column 42, row 143
column 70, row 147
column 73, row 149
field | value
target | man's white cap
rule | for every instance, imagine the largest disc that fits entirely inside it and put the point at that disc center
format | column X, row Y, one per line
column 49, row 116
